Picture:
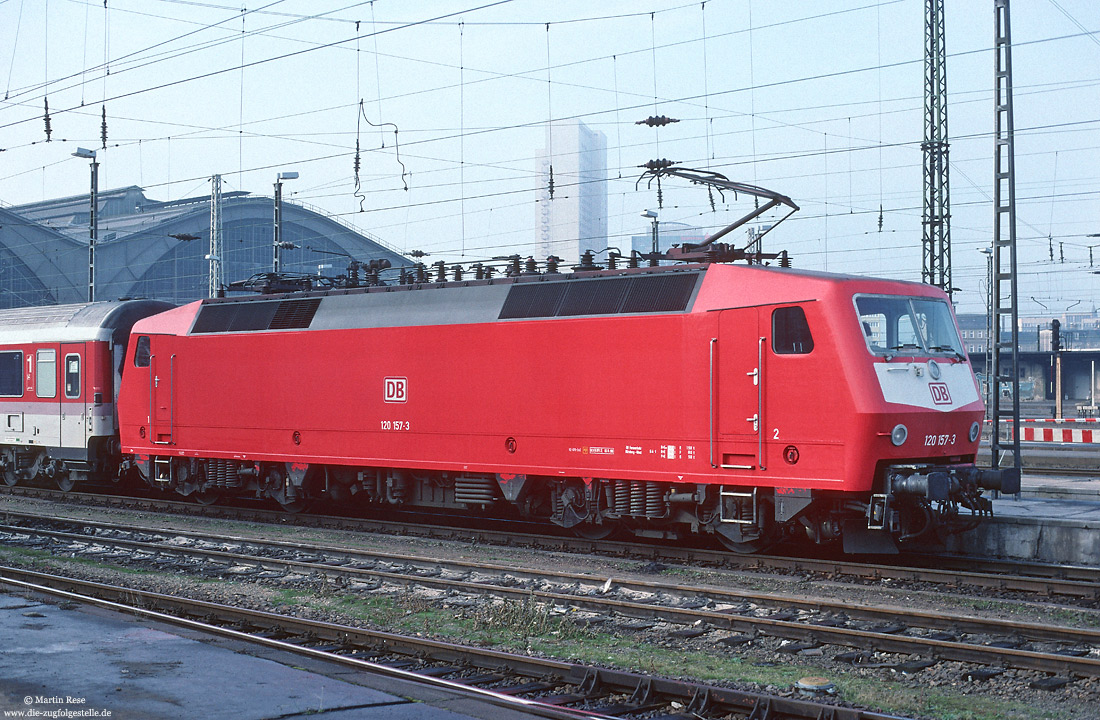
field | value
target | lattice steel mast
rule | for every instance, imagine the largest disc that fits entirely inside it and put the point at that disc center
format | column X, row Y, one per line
column 1004, row 294
column 936, row 219
column 215, row 256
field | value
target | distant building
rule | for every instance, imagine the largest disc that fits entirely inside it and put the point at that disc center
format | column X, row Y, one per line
column 144, row 250
column 575, row 219
column 975, row 331
column 1079, row 331
column 1080, row 344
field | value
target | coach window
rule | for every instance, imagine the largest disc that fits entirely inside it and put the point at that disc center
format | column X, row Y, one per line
column 11, row 374
column 72, row 376
column 141, row 353
column 790, row 332
column 46, row 376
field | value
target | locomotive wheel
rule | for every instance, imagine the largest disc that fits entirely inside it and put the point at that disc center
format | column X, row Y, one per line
column 66, row 480
column 207, row 497
column 592, row 531
column 10, row 475
column 278, row 488
column 747, row 548
column 294, row 506
column 768, row 535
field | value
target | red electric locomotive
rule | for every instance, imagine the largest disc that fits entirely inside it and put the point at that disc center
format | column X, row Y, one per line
column 752, row 403
column 59, row 374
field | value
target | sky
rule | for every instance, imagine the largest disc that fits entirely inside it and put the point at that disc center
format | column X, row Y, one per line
column 450, row 102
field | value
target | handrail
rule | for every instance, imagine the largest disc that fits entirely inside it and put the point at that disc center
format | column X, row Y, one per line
column 713, row 463
column 713, row 342
column 760, row 405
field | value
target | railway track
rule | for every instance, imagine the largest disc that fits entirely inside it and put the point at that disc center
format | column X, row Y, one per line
column 541, row 687
column 1053, row 471
column 1037, row 579
column 745, row 616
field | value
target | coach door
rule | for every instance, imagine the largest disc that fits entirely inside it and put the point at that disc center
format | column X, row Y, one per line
column 162, row 394
column 738, row 373
column 74, row 408
column 47, row 414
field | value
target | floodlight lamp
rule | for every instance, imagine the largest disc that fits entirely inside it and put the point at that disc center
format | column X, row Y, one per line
column 84, row 153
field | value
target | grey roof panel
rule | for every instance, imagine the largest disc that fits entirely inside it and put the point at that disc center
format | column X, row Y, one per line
column 405, row 308
column 455, row 303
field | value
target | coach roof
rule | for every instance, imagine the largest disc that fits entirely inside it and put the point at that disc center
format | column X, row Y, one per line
column 81, row 322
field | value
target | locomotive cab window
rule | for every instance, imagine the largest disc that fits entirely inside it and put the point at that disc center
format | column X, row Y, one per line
column 141, row 352
column 790, row 332
column 908, row 326
column 72, row 376
column 11, row 374
column 45, row 379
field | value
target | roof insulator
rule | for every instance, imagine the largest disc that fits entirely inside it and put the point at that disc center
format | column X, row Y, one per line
column 657, row 121
column 659, row 164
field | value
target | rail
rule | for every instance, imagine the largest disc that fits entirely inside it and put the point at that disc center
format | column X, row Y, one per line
column 1036, row 578
column 646, row 693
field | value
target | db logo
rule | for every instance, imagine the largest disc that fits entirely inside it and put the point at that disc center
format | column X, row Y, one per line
column 396, row 389
column 940, row 394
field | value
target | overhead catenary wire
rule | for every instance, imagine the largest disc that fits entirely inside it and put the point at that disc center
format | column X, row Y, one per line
column 708, row 122
column 465, row 164
column 240, row 116
column 14, row 49
column 337, row 44
column 264, row 61
column 84, row 60
column 377, row 70
column 549, row 118
column 462, row 137
column 794, row 155
column 653, row 58
column 104, row 66
column 752, row 88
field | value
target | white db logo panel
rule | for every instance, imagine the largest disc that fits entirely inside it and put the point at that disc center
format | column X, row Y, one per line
column 396, row 389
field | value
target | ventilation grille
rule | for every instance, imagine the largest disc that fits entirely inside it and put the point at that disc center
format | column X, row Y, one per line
column 256, row 316
column 294, row 314
column 605, row 296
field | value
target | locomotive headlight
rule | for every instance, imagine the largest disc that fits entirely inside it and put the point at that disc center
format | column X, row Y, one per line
column 899, row 434
column 975, row 428
column 934, row 369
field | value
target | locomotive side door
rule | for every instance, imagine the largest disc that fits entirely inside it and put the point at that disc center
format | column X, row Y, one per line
column 162, row 395
column 74, row 409
column 737, row 373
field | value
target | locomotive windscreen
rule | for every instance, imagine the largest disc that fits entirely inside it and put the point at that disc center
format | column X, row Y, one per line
column 907, row 325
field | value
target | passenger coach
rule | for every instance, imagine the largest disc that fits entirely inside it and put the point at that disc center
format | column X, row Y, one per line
column 59, row 376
